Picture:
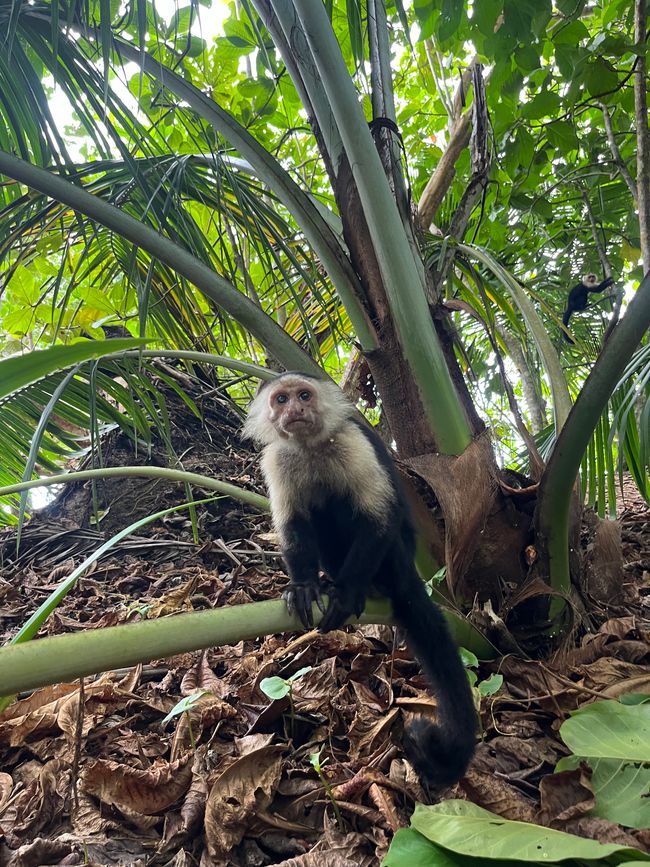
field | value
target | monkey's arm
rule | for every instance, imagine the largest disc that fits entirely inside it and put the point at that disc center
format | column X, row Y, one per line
column 351, row 584
column 603, row 285
column 300, row 551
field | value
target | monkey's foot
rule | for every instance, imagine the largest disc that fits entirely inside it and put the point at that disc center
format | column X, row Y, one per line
column 342, row 605
column 300, row 598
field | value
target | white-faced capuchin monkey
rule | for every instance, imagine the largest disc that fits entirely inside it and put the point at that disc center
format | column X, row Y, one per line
column 338, row 505
column 579, row 296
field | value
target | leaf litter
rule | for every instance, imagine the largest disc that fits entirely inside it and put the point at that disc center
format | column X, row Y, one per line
column 90, row 775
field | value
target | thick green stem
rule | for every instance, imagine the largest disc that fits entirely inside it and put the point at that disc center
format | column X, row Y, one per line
column 402, row 275
column 559, row 477
column 170, row 475
column 65, row 657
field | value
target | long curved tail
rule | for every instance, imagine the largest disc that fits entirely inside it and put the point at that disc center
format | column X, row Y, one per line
column 440, row 752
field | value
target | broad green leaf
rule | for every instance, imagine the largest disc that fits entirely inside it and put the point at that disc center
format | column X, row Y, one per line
column 275, row 687
column 609, row 729
column 411, row 849
column 239, row 34
column 600, row 77
column 562, row 134
column 491, row 685
column 427, row 14
column 17, row 371
column 622, row 790
column 570, row 34
column 543, row 104
column 470, row 830
column 570, row 8
column 451, row 14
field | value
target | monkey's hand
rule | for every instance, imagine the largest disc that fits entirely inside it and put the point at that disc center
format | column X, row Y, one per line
column 343, row 603
column 300, row 597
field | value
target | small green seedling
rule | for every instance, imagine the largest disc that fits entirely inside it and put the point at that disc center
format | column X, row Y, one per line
column 489, row 686
column 436, row 579
column 185, row 705
column 280, row 687
column 317, row 765
column 277, row 688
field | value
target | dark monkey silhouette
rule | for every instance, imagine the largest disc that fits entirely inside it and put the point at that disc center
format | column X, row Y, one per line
column 579, row 296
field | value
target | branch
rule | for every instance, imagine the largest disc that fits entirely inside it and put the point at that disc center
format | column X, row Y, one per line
column 63, row 658
column 595, row 234
column 445, row 171
column 642, row 137
column 619, row 162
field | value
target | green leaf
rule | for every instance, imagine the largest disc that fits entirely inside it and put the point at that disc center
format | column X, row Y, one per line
column 17, row 371
column 184, row 705
column 355, row 29
column 237, row 33
column 613, row 8
column 491, row 685
column 600, row 77
column 621, row 789
column 570, row 8
column 451, row 15
column 543, row 104
column 485, row 15
column 411, row 849
column 294, row 677
column 275, row 687
column 467, row 829
column 633, row 698
column 571, row 34
column 426, row 13
column 609, row 729
column 469, row 659
column 527, row 57
column 562, row 134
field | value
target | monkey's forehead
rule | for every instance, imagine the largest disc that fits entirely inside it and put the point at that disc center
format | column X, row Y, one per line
column 290, row 378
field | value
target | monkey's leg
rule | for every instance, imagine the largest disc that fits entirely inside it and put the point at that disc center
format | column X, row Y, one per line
column 351, row 583
column 300, row 551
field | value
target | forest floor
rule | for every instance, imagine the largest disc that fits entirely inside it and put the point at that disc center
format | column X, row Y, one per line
column 90, row 775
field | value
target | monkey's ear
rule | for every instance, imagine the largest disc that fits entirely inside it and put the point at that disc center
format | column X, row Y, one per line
column 258, row 426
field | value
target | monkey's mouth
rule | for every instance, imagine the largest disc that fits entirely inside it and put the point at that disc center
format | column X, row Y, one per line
column 298, row 423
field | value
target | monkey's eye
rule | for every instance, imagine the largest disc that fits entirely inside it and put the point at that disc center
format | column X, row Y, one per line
column 281, row 398
column 305, row 395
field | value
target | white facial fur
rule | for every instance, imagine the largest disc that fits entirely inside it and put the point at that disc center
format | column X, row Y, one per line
column 330, row 404
column 299, row 469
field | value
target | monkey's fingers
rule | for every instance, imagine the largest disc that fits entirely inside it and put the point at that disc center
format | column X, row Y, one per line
column 335, row 616
column 299, row 598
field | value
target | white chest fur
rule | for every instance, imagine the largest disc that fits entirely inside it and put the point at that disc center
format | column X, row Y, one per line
column 298, row 477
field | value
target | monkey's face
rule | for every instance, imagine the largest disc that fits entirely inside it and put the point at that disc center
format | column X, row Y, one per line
column 294, row 408
column 590, row 280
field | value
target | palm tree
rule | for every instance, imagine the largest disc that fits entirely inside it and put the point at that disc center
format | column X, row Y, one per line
column 175, row 219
